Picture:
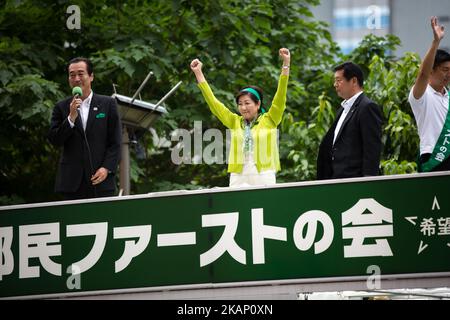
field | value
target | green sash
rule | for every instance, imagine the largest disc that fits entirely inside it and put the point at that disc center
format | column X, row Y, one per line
column 441, row 150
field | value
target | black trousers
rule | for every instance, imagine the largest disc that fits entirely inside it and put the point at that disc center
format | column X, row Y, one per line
column 444, row 166
column 86, row 191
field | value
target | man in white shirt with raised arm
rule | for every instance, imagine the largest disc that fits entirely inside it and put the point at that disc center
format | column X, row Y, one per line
column 429, row 100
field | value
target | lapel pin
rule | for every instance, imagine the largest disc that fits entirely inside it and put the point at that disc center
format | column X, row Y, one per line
column 95, row 108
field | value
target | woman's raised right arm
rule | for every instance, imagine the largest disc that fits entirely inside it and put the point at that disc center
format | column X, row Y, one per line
column 196, row 67
column 227, row 117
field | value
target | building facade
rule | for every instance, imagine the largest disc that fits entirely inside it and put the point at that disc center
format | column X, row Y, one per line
column 351, row 20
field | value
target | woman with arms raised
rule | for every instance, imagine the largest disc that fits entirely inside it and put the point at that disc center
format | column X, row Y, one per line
column 254, row 157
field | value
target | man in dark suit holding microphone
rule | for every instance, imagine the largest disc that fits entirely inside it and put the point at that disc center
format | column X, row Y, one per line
column 87, row 127
column 352, row 146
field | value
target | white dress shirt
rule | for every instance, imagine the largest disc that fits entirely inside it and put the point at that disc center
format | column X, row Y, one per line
column 430, row 112
column 84, row 111
column 346, row 104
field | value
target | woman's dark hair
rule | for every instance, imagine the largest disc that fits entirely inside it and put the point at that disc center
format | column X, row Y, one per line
column 252, row 96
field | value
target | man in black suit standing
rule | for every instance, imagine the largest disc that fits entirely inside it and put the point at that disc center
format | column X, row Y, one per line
column 352, row 146
column 88, row 129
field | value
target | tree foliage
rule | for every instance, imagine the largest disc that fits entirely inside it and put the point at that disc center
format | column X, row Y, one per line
column 237, row 41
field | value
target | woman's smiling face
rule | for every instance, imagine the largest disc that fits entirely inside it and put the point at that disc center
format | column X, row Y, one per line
column 247, row 107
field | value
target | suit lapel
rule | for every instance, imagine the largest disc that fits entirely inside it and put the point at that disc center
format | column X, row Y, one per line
column 330, row 133
column 93, row 109
column 349, row 115
column 336, row 119
column 79, row 124
column 327, row 141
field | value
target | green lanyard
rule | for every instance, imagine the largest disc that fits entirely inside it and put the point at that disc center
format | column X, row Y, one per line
column 441, row 150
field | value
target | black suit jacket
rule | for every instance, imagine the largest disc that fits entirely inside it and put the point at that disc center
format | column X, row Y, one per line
column 357, row 149
column 103, row 133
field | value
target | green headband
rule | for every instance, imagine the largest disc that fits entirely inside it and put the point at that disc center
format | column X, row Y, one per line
column 253, row 91
column 256, row 94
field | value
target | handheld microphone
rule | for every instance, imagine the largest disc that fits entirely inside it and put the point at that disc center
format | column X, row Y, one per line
column 77, row 92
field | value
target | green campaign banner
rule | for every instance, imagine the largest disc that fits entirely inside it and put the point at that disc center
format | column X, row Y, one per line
column 306, row 230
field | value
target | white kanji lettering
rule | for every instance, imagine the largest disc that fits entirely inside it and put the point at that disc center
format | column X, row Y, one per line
column 132, row 248
column 261, row 232
column 428, row 227
column 444, row 226
column 34, row 242
column 226, row 242
column 446, row 141
column 358, row 217
column 6, row 264
column 310, row 219
column 443, row 149
column 100, row 231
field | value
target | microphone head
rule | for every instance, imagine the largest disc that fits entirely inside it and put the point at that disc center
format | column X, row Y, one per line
column 77, row 91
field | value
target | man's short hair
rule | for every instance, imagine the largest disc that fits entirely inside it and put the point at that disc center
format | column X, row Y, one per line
column 89, row 65
column 441, row 57
column 351, row 70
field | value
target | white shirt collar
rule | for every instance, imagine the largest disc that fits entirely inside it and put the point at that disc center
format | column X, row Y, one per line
column 346, row 104
column 438, row 93
column 89, row 98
